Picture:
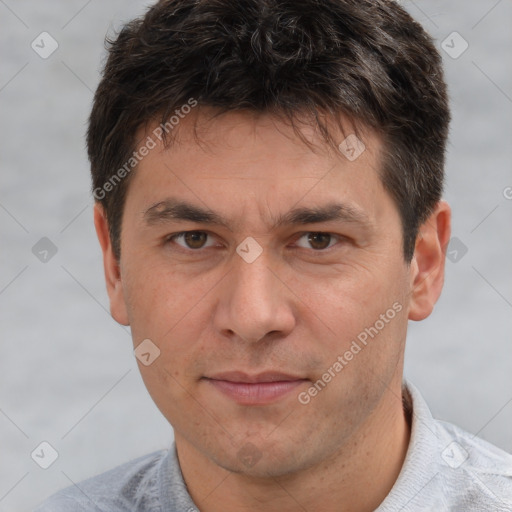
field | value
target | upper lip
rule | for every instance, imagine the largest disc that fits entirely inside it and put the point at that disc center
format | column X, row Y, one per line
column 253, row 379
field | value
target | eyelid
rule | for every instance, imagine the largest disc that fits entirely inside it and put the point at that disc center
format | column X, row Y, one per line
column 172, row 237
column 338, row 238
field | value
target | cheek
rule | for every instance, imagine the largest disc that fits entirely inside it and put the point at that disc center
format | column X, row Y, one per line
column 347, row 301
column 363, row 321
column 159, row 299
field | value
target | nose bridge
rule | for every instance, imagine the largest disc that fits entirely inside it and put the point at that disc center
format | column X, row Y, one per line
column 253, row 283
column 253, row 302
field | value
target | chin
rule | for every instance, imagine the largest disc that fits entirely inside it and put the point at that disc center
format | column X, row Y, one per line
column 263, row 461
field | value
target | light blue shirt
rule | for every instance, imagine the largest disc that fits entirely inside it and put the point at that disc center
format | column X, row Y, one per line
column 445, row 469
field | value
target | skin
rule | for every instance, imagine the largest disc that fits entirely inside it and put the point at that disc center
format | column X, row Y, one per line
column 295, row 309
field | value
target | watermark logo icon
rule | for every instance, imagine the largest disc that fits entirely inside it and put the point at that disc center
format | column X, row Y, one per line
column 454, row 45
column 249, row 454
column 249, row 250
column 44, row 45
column 454, row 455
column 352, row 147
column 456, row 249
column 146, row 352
column 44, row 250
column 44, row 455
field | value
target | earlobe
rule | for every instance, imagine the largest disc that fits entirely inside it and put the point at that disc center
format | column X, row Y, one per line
column 427, row 267
column 111, row 267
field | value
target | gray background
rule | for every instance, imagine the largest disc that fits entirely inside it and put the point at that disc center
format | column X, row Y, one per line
column 67, row 372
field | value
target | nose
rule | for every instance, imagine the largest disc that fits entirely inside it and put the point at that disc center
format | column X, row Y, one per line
column 254, row 303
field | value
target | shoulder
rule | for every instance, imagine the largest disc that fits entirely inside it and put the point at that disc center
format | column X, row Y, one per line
column 481, row 471
column 131, row 486
column 467, row 472
column 447, row 468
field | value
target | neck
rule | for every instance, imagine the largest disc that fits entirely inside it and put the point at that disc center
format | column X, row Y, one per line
column 357, row 478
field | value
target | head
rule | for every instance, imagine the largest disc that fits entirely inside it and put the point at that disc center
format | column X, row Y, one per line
column 301, row 146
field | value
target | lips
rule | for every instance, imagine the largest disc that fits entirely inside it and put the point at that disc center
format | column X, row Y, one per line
column 259, row 389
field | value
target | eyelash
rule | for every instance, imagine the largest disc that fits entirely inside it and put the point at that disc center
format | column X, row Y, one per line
column 173, row 237
column 338, row 238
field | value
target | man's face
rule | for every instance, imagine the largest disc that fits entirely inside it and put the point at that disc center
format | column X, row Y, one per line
column 244, row 334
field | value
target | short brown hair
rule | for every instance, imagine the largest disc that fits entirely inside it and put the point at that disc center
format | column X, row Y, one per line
column 364, row 59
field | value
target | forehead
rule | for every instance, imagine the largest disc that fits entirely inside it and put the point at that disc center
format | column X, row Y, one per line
column 214, row 131
column 243, row 160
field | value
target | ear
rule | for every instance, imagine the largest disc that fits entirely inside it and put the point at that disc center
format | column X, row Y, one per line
column 427, row 265
column 111, row 267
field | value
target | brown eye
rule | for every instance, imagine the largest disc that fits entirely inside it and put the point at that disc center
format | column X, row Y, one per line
column 319, row 241
column 195, row 239
column 192, row 240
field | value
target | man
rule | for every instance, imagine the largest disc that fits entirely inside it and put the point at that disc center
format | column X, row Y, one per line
column 268, row 178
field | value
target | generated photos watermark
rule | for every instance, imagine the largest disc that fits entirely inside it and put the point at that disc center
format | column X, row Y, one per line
column 150, row 143
column 369, row 333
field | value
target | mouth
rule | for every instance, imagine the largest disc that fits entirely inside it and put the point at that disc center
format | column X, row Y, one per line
column 260, row 389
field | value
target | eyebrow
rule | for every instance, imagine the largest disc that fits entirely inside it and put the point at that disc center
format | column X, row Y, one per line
column 171, row 209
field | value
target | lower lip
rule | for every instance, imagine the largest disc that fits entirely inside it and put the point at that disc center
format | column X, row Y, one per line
column 257, row 393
